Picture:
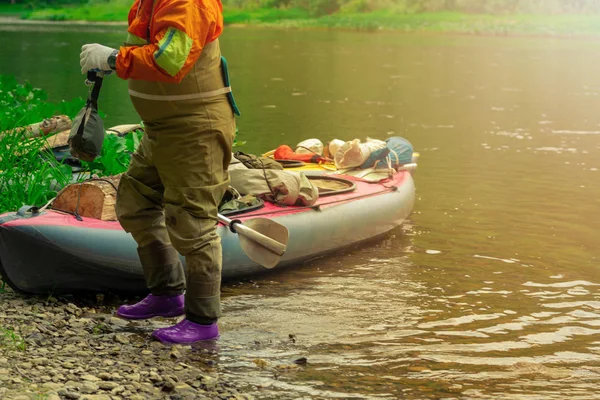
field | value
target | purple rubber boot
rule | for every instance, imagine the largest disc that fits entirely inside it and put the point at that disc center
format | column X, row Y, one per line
column 186, row 332
column 153, row 306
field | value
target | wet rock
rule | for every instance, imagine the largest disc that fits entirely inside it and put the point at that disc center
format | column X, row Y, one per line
column 301, row 361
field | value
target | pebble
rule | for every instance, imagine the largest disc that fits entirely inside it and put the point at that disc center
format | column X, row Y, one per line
column 121, row 338
column 105, row 376
column 106, row 385
column 89, row 387
column 96, row 397
column 71, row 395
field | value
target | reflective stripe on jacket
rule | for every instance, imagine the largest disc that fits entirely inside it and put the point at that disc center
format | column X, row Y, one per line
column 166, row 38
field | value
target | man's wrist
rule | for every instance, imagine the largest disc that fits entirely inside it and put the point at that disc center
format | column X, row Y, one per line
column 112, row 60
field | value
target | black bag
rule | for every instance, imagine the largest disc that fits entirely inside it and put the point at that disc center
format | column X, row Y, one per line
column 87, row 132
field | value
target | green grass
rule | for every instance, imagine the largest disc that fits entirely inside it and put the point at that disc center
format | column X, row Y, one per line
column 263, row 15
column 447, row 22
column 441, row 22
column 112, row 11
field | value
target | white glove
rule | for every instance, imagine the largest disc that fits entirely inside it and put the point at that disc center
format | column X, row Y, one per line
column 94, row 56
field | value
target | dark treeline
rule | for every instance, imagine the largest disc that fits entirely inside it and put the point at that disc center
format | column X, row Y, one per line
column 325, row 7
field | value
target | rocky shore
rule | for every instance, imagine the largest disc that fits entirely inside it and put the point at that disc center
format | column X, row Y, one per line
column 70, row 348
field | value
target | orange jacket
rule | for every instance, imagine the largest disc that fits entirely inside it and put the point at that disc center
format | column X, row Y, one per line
column 166, row 38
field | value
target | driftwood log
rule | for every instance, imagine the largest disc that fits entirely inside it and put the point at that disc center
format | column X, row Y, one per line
column 47, row 127
column 95, row 198
column 61, row 139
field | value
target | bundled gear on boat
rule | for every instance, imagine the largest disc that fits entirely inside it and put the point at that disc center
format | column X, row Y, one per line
column 168, row 199
column 234, row 203
column 87, row 131
column 280, row 187
column 374, row 153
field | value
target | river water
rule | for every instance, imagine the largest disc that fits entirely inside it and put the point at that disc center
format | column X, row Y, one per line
column 492, row 287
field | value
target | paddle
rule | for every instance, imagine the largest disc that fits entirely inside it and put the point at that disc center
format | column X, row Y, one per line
column 263, row 240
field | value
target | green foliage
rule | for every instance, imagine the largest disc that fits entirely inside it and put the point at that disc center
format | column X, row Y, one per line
column 269, row 15
column 116, row 154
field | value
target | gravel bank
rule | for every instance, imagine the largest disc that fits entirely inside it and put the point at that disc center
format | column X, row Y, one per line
column 70, row 348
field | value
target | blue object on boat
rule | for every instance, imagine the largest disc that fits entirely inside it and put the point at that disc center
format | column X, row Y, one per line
column 401, row 151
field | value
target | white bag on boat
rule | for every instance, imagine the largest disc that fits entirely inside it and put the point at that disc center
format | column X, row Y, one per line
column 354, row 153
column 309, row 146
column 332, row 147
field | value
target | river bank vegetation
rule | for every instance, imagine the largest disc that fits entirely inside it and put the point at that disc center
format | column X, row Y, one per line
column 500, row 17
column 29, row 172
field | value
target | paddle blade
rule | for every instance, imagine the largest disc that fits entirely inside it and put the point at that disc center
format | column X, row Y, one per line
column 257, row 252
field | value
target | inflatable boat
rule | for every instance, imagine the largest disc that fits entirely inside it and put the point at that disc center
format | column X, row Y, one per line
column 54, row 252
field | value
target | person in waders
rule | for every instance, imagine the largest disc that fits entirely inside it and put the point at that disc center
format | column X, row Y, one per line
column 168, row 199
